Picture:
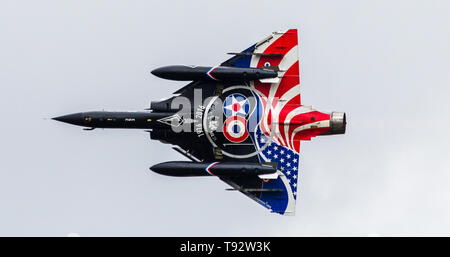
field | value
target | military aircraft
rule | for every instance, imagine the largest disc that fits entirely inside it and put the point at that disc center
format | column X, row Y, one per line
column 241, row 121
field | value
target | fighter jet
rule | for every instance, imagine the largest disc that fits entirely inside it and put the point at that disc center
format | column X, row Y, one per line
column 241, row 121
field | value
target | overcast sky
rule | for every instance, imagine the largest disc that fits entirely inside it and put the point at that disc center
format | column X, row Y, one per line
column 385, row 63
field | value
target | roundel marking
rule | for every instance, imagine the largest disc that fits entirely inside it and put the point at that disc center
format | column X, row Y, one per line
column 235, row 129
column 236, row 105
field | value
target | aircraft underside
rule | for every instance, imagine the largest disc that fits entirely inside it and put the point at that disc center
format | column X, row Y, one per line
column 241, row 121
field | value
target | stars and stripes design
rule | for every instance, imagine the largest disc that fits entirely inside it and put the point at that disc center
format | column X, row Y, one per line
column 287, row 159
column 282, row 107
column 285, row 121
column 285, row 93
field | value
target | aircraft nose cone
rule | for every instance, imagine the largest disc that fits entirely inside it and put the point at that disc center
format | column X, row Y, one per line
column 159, row 72
column 174, row 72
column 155, row 72
column 74, row 118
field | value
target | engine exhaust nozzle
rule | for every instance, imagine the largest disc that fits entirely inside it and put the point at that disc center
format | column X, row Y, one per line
column 338, row 123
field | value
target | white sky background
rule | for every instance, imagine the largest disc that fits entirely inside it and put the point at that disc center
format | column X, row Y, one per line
column 385, row 63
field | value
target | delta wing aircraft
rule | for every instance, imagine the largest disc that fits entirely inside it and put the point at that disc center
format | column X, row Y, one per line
column 241, row 121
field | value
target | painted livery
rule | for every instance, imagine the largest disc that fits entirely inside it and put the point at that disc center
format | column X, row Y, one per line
column 241, row 121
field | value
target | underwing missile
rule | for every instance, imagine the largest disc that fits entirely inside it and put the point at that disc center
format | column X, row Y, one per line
column 228, row 169
column 217, row 73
